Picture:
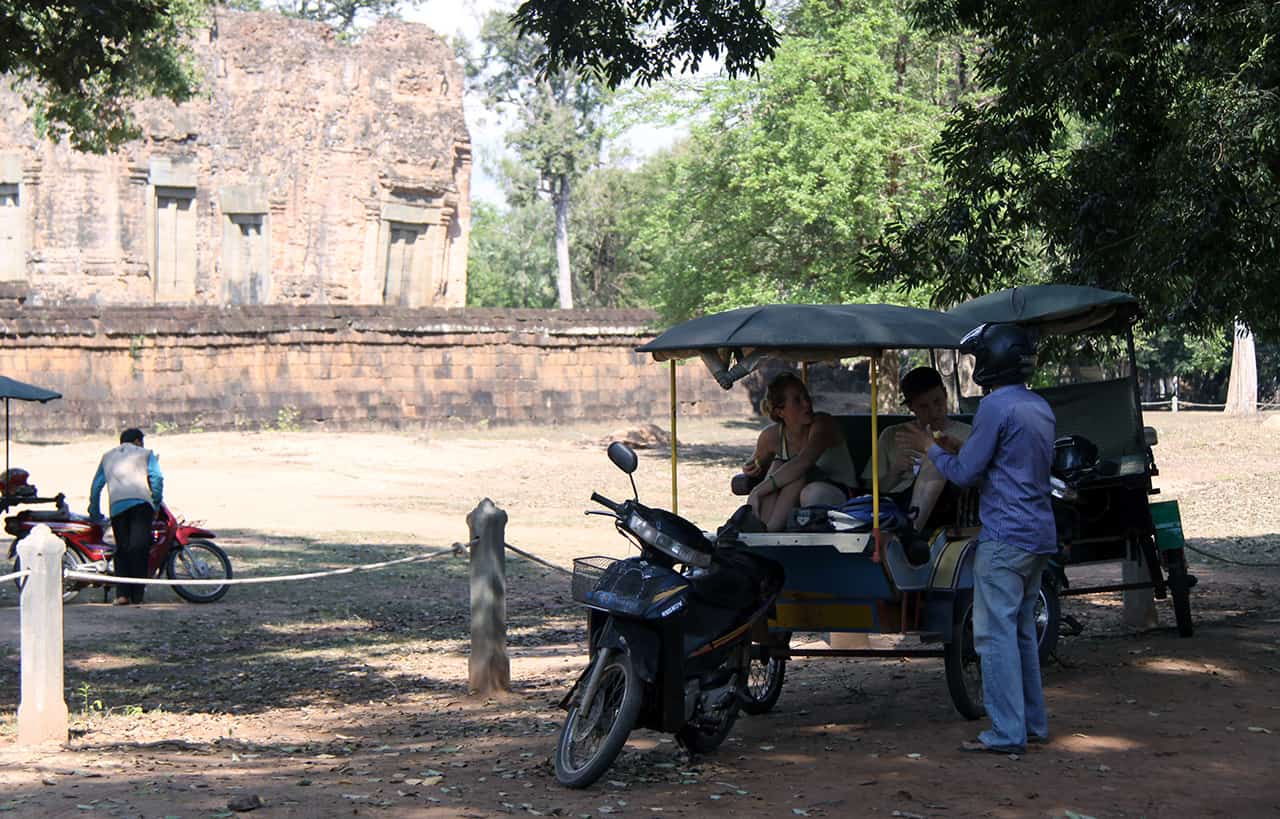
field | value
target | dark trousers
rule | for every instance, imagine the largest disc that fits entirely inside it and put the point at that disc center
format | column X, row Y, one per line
column 132, row 529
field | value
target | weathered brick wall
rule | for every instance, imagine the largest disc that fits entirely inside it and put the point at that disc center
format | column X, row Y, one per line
column 340, row 367
column 324, row 146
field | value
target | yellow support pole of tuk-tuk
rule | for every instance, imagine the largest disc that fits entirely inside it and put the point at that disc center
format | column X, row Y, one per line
column 875, row 462
column 675, row 505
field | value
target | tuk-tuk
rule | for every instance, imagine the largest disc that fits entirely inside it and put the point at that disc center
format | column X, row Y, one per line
column 859, row 579
column 1114, row 516
column 854, row 579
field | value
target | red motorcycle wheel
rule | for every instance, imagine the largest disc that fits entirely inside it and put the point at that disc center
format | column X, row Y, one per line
column 199, row 560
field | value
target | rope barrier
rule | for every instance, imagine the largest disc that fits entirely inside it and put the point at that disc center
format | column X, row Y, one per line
column 1229, row 560
column 537, row 559
column 14, row 575
column 456, row 549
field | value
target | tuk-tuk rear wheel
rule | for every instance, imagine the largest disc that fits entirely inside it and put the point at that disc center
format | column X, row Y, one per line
column 765, row 676
column 1048, row 617
column 963, row 667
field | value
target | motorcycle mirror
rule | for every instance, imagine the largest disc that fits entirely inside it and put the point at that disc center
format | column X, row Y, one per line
column 623, row 457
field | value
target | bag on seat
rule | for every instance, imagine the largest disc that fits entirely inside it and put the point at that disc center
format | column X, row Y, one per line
column 860, row 509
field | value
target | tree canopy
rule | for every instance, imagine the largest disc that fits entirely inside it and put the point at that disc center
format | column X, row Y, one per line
column 789, row 177
column 645, row 40
column 1130, row 144
column 79, row 63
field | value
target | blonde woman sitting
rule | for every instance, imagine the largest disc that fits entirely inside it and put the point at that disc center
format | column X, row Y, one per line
column 801, row 457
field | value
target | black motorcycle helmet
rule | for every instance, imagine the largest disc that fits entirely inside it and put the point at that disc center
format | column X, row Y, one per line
column 1073, row 455
column 1002, row 353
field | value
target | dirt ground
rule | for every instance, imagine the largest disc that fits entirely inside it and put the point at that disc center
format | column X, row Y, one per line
column 347, row 696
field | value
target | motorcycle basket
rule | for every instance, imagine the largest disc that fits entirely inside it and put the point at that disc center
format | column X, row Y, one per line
column 587, row 572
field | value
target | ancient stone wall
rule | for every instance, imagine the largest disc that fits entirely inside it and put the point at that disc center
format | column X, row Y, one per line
column 307, row 171
column 340, row 367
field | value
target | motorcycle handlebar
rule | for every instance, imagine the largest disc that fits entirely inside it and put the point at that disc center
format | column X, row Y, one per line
column 605, row 502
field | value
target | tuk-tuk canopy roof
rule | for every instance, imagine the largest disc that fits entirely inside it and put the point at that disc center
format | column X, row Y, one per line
column 810, row 332
column 1053, row 308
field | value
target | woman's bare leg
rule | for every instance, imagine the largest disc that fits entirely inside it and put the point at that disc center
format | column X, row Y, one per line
column 784, row 500
column 821, row 493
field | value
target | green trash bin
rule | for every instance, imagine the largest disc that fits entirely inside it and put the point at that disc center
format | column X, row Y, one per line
column 1168, row 525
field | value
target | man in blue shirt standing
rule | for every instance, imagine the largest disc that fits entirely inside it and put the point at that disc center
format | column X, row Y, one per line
column 131, row 475
column 1008, row 455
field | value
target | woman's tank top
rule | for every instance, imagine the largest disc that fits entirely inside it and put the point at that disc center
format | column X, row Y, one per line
column 835, row 462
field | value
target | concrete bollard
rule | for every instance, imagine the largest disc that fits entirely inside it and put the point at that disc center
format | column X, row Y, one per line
column 488, row 667
column 42, row 710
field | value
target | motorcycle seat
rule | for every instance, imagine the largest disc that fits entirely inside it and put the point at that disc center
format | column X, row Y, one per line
column 50, row 515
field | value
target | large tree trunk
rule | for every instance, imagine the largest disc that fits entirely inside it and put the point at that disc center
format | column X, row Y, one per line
column 1242, row 386
column 564, row 279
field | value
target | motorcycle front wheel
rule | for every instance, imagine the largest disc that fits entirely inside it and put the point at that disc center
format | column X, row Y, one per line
column 199, row 560
column 590, row 740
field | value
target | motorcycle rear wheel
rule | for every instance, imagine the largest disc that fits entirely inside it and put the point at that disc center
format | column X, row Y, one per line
column 71, row 561
column 590, row 742
column 199, row 560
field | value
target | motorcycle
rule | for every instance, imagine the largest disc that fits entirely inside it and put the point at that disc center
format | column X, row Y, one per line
column 178, row 549
column 670, row 650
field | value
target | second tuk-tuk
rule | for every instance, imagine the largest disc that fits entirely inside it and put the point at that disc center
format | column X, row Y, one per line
column 858, row 579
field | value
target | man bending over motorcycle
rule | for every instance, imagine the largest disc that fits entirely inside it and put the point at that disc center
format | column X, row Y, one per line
column 131, row 475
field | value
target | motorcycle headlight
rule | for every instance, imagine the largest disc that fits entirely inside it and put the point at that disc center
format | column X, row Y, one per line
column 649, row 533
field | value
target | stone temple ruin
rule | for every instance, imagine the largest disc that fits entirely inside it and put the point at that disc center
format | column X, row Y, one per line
column 307, row 171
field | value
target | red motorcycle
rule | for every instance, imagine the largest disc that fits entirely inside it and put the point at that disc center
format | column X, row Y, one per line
column 179, row 549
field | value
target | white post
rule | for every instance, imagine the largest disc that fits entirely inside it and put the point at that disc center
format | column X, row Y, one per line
column 42, row 711
column 1139, row 610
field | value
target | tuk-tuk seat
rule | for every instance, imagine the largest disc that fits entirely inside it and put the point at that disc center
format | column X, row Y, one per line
column 905, row 576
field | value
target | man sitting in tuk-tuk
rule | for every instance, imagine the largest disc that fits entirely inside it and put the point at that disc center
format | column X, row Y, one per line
column 906, row 475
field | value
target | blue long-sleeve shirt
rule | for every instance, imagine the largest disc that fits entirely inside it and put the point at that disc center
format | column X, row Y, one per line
column 1008, row 455
column 154, row 477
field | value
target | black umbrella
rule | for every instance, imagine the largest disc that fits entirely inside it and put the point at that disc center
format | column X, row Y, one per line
column 11, row 390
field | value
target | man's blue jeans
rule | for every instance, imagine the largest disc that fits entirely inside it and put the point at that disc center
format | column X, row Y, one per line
column 1006, row 584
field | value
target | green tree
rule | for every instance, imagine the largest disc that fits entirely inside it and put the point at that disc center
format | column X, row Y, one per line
column 511, row 262
column 557, row 133
column 1130, row 144
column 1133, row 145
column 791, row 176
column 80, row 63
column 624, row 39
